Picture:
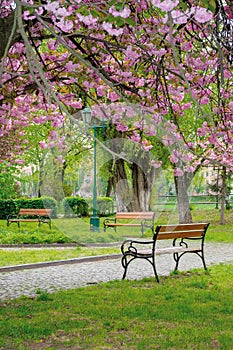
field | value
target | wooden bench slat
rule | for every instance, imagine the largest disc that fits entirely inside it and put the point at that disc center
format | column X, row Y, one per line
column 35, row 212
column 122, row 224
column 179, row 234
column 23, row 220
column 182, row 227
column 135, row 215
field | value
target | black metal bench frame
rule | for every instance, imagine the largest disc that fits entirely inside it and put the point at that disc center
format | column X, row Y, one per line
column 136, row 219
column 184, row 238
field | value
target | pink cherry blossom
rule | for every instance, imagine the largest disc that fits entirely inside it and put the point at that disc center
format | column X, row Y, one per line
column 135, row 137
column 156, row 164
column 229, row 12
column 121, row 127
column 113, row 96
column 167, row 5
column 178, row 172
column 43, row 144
column 231, row 105
column 202, row 15
column 110, row 30
column 189, row 169
column 65, row 26
column 174, row 159
column 124, row 13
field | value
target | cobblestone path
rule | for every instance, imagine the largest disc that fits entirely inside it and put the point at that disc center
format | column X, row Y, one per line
column 53, row 278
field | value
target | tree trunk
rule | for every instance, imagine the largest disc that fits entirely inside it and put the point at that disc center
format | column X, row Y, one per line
column 121, row 186
column 41, row 177
column 142, row 183
column 109, row 186
column 133, row 177
column 135, row 197
column 182, row 185
column 223, row 194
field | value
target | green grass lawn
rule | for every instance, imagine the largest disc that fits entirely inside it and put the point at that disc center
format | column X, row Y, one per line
column 10, row 257
column 192, row 310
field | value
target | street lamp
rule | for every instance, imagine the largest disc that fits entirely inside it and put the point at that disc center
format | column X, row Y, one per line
column 94, row 220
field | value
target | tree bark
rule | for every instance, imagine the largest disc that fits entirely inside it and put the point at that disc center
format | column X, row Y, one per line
column 182, row 185
column 142, row 182
column 223, row 194
column 121, row 186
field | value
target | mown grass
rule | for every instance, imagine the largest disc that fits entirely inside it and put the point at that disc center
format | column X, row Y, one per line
column 10, row 257
column 192, row 310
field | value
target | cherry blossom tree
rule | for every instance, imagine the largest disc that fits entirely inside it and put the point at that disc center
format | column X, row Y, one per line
column 164, row 59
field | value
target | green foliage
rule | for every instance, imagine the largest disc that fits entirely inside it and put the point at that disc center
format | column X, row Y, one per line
column 7, row 207
column 67, row 189
column 12, row 206
column 75, row 206
column 8, row 182
column 33, row 237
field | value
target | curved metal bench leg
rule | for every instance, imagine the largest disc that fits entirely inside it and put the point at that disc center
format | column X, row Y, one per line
column 124, row 264
column 176, row 257
column 154, row 268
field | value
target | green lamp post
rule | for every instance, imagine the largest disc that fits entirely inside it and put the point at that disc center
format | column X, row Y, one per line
column 94, row 220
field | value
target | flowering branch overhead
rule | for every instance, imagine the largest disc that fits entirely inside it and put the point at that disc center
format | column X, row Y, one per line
column 169, row 60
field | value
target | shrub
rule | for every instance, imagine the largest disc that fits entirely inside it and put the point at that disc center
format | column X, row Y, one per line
column 7, row 207
column 75, row 206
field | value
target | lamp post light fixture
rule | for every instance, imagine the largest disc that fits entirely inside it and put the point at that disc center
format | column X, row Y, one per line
column 94, row 220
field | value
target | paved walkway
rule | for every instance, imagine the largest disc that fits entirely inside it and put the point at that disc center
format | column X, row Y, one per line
column 53, row 278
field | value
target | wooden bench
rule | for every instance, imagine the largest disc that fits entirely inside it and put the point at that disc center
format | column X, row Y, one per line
column 186, row 238
column 31, row 215
column 135, row 219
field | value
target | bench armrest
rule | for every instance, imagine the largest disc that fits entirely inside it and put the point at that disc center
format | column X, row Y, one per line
column 12, row 216
column 132, row 247
column 109, row 220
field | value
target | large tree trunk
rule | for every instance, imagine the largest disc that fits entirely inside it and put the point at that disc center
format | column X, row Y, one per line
column 121, row 186
column 132, row 178
column 142, row 182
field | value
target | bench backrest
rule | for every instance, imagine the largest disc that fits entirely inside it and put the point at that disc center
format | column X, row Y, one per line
column 149, row 215
column 180, row 231
column 41, row 212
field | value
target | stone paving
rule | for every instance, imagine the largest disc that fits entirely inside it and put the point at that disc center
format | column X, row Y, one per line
column 53, row 278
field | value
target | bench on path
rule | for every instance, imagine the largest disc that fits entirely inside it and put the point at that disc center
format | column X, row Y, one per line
column 186, row 238
column 134, row 219
column 31, row 215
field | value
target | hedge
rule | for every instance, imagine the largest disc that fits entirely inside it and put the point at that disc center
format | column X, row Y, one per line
column 12, row 206
column 75, row 206
column 7, row 206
